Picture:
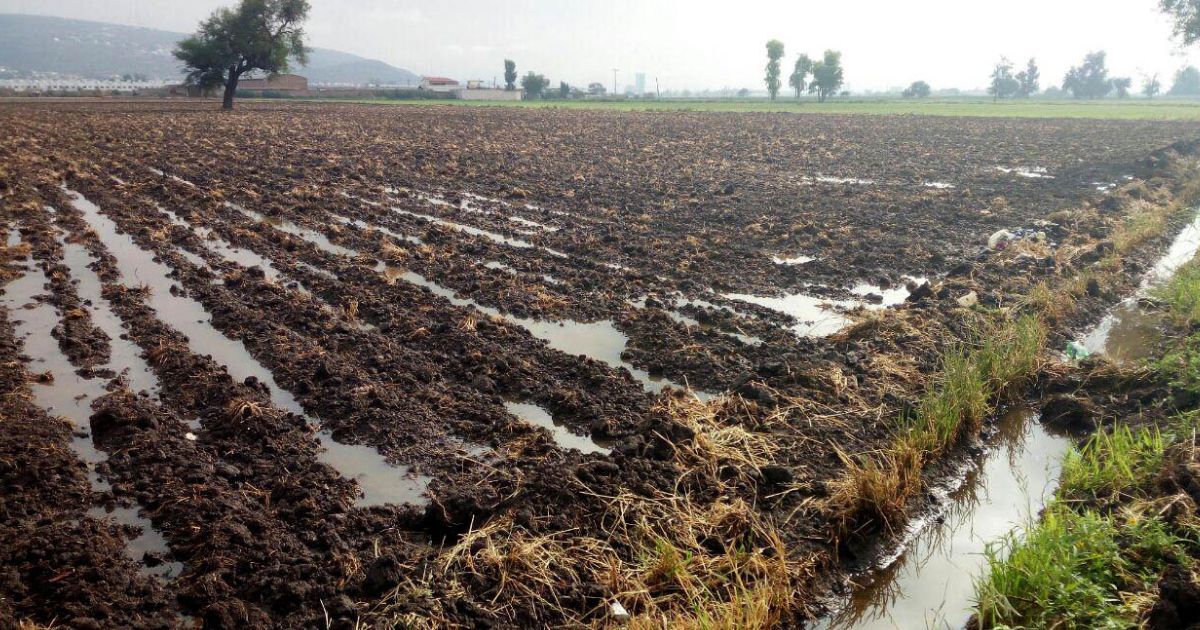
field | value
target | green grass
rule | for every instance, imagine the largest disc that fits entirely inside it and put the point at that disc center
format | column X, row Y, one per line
column 1075, row 570
column 1112, row 465
column 1002, row 357
column 1182, row 295
column 1128, row 109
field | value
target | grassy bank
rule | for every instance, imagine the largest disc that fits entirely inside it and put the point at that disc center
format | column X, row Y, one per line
column 1129, row 109
column 1121, row 537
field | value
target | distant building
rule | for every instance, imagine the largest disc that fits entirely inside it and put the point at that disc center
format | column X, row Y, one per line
column 278, row 83
column 439, row 84
column 487, row 94
column 639, row 81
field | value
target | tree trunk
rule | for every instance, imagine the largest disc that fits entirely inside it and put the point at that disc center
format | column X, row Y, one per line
column 230, row 90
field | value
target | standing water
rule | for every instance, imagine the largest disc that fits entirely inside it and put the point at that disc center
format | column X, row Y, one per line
column 930, row 582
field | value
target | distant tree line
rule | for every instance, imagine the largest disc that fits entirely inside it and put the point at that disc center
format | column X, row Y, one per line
column 827, row 76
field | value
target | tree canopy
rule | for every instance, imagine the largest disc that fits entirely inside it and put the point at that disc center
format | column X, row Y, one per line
column 799, row 78
column 827, row 75
column 1029, row 79
column 1004, row 84
column 256, row 35
column 1187, row 82
column 918, row 89
column 510, row 75
column 534, row 84
column 1089, row 80
column 1151, row 86
column 774, row 54
column 1186, row 17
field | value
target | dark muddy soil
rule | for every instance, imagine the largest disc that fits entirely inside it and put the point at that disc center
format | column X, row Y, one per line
column 342, row 307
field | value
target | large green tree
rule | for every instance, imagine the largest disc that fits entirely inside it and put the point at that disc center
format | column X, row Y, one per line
column 510, row 75
column 1187, row 82
column 256, row 35
column 1089, row 80
column 1004, row 84
column 1186, row 16
column 827, row 75
column 918, row 89
column 799, row 78
column 534, row 84
column 1028, row 80
column 774, row 54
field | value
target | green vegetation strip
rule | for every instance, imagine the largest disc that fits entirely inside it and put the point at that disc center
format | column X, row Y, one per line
column 1123, row 109
column 1004, row 355
column 1115, row 526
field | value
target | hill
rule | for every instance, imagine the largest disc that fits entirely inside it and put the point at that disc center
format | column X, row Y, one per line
column 34, row 43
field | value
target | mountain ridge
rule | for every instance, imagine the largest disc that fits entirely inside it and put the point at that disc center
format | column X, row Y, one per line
column 89, row 49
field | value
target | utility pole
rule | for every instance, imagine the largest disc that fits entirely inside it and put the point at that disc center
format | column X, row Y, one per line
column 657, row 90
column 615, row 71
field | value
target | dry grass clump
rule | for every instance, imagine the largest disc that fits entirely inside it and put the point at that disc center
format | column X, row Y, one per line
column 875, row 488
column 667, row 560
column 717, row 445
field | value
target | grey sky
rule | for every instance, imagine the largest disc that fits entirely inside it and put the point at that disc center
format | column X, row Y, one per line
column 706, row 43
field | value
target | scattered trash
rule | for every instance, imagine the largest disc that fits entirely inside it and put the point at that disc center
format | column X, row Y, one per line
column 191, row 437
column 969, row 300
column 618, row 611
column 1000, row 239
column 1076, row 351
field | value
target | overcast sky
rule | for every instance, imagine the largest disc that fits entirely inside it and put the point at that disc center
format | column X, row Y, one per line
column 706, row 43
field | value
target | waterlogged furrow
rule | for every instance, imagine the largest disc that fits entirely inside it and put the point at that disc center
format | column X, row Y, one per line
column 62, row 392
column 380, row 482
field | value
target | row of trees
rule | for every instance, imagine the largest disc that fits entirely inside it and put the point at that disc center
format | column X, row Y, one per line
column 1088, row 80
column 535, row 85
column 826, row 72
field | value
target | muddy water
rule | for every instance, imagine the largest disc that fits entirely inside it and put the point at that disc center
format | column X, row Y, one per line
column 315, row 237
column 467, row 229
column 931, row 584
column 225, row 249
column 822, row 317
column 70, row 396
column 1129, row 332
column 380, row 482
column 600, row 341
column 564, row 437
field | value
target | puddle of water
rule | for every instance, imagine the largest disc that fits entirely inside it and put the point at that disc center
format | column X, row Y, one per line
column 1130, row 333
column 70, row 396
column 174, row 177
column 600, row 340
column 363, row 225
column 677, row 316
column 1029, row 172
column 225, row 249
column 467, row 229
column 824, row 179
column 126, row 356
column 815, row 316
column 384, row 483
column 533, row 224
column 794, row 260
column 820, row 317
column 1183, row 249
column 492, row 264
column 931, row 584
column 564, row 437
column 315, row 237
